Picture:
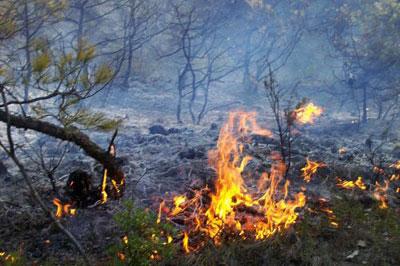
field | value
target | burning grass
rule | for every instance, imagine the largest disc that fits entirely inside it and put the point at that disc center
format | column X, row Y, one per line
column 314, row 241
column 233, row 207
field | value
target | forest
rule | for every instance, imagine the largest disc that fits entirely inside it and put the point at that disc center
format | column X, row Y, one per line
column 199, row 132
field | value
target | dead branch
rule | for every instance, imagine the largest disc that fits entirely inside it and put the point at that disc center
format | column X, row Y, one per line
column 71, row 134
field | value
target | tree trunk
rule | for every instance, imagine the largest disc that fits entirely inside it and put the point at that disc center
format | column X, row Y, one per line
column 28, row 76
column 365, row 110
column 129, row 64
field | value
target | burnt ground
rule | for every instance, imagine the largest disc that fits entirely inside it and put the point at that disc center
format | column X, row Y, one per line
column 161, row 157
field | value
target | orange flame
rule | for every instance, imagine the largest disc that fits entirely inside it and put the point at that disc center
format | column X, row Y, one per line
column 63, row 209
column 162, row 204
column 307, row 114
column 396, row 165
column 234, row 206
column 185, row 242
column 178, row 201
column 310, row 169
column 380, row 194
column 104, row 195
column 352, row 184
column 121, row 256
column 331, row 217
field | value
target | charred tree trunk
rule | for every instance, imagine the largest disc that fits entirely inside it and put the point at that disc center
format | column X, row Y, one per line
column 73, row 135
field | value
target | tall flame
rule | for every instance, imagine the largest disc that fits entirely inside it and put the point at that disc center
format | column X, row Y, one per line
column 234, row 206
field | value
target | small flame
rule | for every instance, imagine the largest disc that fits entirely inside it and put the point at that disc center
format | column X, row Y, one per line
column 310, row 169
column 125, row 240
column 121, row 256
column 178, row 201
column 169, row 239
column 331, row 217
column 380, row 194
column 185, row 242
column 307, row 114
column 352, row 184
column 104, row 195
column 63, row 209
column 396, row 165
column 7, row 257
column 59, row 211
column 162, row 204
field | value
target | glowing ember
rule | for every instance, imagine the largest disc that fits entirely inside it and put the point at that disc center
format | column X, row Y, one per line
column 234, row 207
column 307, row 114
column 310, row 169
column 352, row 184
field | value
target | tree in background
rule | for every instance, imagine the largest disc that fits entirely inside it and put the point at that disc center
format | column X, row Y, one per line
column 365, row 35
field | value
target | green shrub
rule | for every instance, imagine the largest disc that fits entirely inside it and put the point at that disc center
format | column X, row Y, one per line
column 146, row 242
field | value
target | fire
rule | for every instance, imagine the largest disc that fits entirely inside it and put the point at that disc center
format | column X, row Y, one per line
column 169, row 239
column 236, row 207
column 380, row 194
column 185, row 242
column 396, row 165
column 7, row 257
column 121, row 256
column 63, row 209
column 310, row 169
column 116, row 185
column 352, row 184
column 178, row 201
column 331, row 217
column 104, row 195
column 307, row 114
column 162, row 204
column 125, row 240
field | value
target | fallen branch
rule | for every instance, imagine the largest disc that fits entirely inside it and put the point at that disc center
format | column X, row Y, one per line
column 11, row 152
column 70, row 134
